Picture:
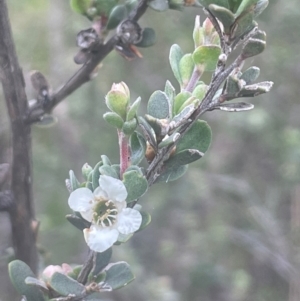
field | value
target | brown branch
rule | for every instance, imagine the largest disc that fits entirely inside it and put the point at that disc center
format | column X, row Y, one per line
column 82, row 76
column 22, row 213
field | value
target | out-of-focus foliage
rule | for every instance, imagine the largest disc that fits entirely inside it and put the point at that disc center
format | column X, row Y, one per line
column 230, row 230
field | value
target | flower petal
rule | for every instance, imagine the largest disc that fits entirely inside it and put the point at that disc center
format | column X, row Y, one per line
column 100, row 239
column 129, row 221
column 114, row 188
column 81, row 200
column 100, row 193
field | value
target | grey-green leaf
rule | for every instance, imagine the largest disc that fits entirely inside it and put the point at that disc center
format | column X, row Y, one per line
column 73, row 181
column 117, row 14
column 235, row 107
column 101, row 261
column 65, row 285
column 118, row 275
column 253, row 47
column 146, row 220
column 113, row 119
column 224, row 15
column 175, row 56
column 158, row 105
column 198, row 137
column 148, row 38
column 18, row 272
column 138, row 148
column 135, row 183
column 108, row 171
column 172, row 174
column 133, row 109
column 184, row 157
column 78, row 222
column 96, row 175
column 250, row 75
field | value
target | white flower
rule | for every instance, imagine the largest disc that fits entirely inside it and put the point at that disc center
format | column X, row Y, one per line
column 106, row 209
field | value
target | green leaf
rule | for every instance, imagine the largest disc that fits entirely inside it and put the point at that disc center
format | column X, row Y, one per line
column 78, row 222
column 37, row 283
column 192, row 100
column 118, row 275
column 73, row 181
column 135, row 183
column 131, row 4
column 169, row 140
column 184, row 157
column 101, row 261
column 158, row 105
column 160, row 126
column 198, row 33
column 206, row 57
column 185, row 113
column 233, row 85
column 89, row 182
column 105, row 160
column 65, row 285
column 198, row 137
column 200, row 91
column 146, row 220
column 113, row 119
column 108, row 171
column 123, row 238
column 96, row 175
column 104, row 7
column 179, row 100
column 170, row 92
column 235, row 107
column 133, row 109
column 260, row 35
column 174, row 57
column 186, row 67
column 253, row 47
column 148, row 38
column 117, row 14
column 172, row 174
column 85, row 170
column 242, row 25
column 148, row 132
column 129, row 126
column 117, row 101
column 260, row 7
column 256, row 89
column 225, row 16
column 18, row 272
column 245, row 6
column 138, row 148
column 159, row 5
column 250, row 75
column 75, row 272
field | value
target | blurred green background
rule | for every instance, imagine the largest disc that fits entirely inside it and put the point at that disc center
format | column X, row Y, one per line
column 227, row 231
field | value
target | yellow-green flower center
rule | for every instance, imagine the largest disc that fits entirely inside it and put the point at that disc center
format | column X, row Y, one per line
column 105, row 213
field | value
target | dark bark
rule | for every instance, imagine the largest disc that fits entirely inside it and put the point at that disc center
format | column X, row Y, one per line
column 22, row 211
